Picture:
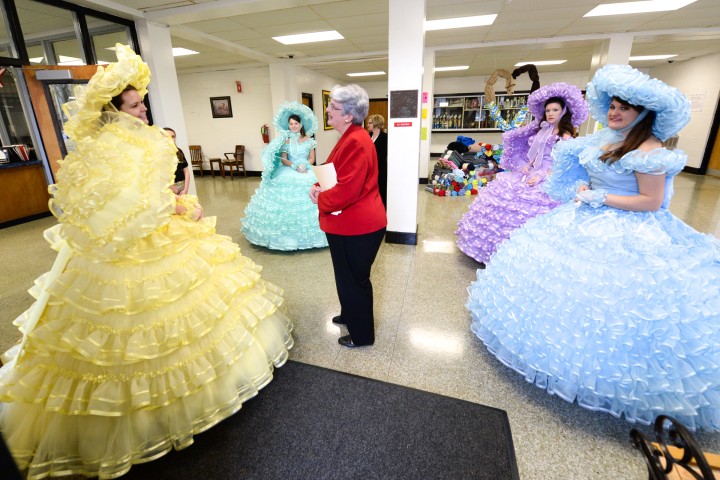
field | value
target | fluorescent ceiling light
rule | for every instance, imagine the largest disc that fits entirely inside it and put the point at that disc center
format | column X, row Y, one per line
column 460, row 22
column 651, row 57
column 181, row 52
column 542, row 62
column 36, row 59
column 638, row 7
column 309, row 37
column 364, row 74
column 450, row 69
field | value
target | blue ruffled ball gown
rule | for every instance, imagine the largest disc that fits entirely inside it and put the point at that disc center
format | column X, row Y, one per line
column 280, row 215
column 614, row 309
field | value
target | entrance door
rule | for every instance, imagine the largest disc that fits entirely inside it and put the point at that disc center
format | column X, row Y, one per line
column 379, row 106
column 44, row 100
column 714, row 164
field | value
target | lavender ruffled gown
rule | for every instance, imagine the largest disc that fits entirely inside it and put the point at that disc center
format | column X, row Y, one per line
column 508, row 201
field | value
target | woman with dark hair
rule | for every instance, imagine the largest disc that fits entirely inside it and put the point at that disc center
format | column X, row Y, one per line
column 352, row 214
column 150, row 328
column 516, row 195
column 376, row 128
column 280, row 216
column 610, row 300
column 182, row 172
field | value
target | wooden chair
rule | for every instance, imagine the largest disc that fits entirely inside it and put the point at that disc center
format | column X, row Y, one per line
column 196, row 157
column 235, row 159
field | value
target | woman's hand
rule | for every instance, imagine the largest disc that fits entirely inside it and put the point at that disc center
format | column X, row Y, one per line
column 314, row 193
column 302, row 168
column 594, row 198
column 533, row 180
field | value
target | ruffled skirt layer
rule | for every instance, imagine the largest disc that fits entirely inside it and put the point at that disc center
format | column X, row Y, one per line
column 500, row 208
column 133, row 357
column 616, row 310
column 280, row 215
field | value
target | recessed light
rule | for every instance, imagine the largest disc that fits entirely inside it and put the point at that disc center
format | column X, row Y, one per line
column 637, row 7
column 450, row 69
column 650, row 57
column 181, row 52
column 460, row 22
column 542, row 62
column 364, row 74
column 309, row 37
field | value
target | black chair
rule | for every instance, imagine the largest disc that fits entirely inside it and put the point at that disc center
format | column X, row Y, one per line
column 675, row 455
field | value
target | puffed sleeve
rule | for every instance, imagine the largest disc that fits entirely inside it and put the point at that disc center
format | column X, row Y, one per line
column 113, row 189
column 515, row 146
column 567, row 172
column 659, row 161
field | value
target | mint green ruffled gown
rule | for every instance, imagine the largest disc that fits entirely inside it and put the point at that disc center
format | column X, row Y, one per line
column 280, row 215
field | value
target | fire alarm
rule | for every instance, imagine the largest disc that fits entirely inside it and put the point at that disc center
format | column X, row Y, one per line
column 238, row 85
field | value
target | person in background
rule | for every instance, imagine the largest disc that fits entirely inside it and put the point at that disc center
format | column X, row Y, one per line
column 376, row 126
column 516, row 195
column 280, row 216
column 610, row 300
column 182, row 173
column 352, row 214
column 150, row 328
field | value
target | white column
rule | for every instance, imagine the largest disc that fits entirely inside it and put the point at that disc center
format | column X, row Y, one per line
column 613, row 50
column 428, row 86
column 283, row 85
column 164, row 90
column 406, row 41
column 619, row 48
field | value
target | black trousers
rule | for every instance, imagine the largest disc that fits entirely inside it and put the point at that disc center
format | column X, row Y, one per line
column 352, row 257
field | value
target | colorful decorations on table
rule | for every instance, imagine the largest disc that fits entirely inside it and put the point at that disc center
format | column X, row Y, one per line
column 491, row 152
column 460, row 183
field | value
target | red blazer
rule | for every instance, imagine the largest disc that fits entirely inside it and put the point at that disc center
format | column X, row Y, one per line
column 356, row 194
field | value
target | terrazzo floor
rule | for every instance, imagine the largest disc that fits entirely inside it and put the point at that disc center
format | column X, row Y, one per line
column 423, row 339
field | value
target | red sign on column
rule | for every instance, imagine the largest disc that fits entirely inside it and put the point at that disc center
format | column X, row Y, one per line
column 403, row 124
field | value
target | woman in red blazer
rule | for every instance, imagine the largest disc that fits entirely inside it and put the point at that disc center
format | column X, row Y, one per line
column 352, row 214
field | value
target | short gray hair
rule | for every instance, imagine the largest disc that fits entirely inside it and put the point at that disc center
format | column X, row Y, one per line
column 354, row 99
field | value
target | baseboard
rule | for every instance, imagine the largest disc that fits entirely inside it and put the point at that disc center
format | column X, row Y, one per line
column 693, row 170
column 209, row 173
column 402, row 238
column 29, row 218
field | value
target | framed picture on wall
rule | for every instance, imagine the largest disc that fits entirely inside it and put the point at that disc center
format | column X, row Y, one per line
column 221, row 107
column 326, row 103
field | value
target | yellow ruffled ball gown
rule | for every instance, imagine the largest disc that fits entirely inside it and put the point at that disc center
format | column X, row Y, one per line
column 149, row 329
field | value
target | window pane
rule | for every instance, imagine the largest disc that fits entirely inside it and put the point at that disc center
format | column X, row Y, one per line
column 14, row 127
column 6, row 49
column 104, row 36
column 49, row 34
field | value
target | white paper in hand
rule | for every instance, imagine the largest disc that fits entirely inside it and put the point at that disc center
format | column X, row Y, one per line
column 326, row 175
column 327, row 178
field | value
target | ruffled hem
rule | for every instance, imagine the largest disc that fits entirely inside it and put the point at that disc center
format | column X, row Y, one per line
column 280, row 215
column 132, row 357
column 621, row 317
column 500, row 208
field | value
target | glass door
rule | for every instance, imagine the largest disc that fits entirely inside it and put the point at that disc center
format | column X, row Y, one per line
column 58, row 94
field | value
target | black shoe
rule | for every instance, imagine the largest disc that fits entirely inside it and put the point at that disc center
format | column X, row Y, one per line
column 346, row 341
column 338, row 321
